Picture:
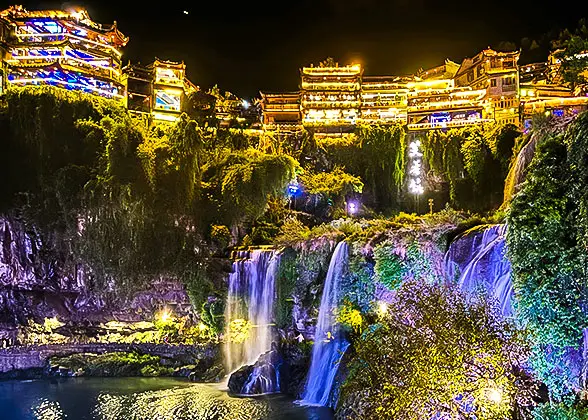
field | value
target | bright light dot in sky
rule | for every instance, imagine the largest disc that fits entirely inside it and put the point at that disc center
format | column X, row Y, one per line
column 185, row 12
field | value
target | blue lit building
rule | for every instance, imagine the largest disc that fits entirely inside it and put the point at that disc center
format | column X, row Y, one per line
column 61, row 48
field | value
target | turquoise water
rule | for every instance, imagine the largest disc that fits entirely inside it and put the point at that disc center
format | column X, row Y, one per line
column 140, row 399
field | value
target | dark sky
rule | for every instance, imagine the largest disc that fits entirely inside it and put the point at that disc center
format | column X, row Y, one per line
column 254, row 45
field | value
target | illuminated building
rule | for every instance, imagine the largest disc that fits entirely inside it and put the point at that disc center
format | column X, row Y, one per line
column 384, row 99
column 542, row 91
column 158, row 90
column 61, row 48
column 281, row 111
column 439, row 104
column 496, row 73
column 169, row 88
column 330, row 96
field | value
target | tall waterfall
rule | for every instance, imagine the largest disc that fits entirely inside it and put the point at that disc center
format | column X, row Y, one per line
column 249, row 312
column 478, row 261
column 329, row 344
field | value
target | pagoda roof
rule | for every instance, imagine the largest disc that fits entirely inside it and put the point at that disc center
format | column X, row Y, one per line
column 166, row 63
column 78, row 16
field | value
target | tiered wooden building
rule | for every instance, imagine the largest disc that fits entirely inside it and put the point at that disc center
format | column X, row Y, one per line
column 487, row 87
column 65, row 49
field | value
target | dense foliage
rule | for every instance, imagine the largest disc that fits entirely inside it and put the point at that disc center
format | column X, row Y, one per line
column 474, row 162
column 435, row 353
column 547, row 248
column 375, row 154
column 130, row 203
column 560, row 412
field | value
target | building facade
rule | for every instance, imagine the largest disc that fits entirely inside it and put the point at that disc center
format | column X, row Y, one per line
column 487, row 87
column 330, row 96
column 157, row 91
column 59, row 48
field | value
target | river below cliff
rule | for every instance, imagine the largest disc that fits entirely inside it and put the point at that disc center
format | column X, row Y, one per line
column 140, row 399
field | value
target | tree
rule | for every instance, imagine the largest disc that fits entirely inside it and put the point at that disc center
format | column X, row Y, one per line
column 330, row 188
column 200, row 106
column 571, row 50
column 437, row 353
column 548, row 262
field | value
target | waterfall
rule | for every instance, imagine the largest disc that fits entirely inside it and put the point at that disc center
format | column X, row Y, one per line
column 249, row 312
column 478, row 262
column 518, row 170
column 329, row 344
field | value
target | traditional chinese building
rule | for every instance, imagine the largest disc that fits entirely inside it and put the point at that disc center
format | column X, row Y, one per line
column 437, row 103
column 497, row 73
column 280, row 110
column 157, row 91
column 61, row 48
column 330, row 96
column 542, row 91
column 384, row 99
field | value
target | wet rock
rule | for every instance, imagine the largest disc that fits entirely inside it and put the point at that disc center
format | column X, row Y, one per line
column 238, row 378
column 267, row 375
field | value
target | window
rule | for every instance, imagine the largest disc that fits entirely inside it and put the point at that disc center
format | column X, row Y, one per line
column 508, row 81
column 492, row 82
column 470, row 76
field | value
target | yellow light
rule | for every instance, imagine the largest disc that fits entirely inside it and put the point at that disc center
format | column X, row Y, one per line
column 165, row 316
column 77, row 14
column 494, row 395
column 382, row 308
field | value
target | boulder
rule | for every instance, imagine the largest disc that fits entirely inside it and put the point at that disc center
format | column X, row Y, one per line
column 266, row 376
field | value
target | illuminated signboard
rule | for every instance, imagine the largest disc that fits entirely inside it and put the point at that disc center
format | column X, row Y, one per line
column 168, row 100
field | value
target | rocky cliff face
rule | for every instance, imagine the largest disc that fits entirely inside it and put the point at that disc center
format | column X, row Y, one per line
column 34, row 286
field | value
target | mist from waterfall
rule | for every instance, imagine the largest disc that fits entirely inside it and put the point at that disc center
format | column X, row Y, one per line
column 482, row 266
column 329, row 344
column 249, row 312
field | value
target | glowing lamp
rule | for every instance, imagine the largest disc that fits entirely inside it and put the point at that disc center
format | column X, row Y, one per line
column 246, row 104
column 294, row 189
column 382, row 308
column 202, row 326
column 494, row 395
column 165, row 316
column 352, row 208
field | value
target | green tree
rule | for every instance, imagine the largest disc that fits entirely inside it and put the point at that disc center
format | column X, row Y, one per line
column 571, row 50
column 548, row 263
column 436, row 352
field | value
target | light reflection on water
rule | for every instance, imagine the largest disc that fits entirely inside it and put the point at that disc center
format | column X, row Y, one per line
column 140, row 399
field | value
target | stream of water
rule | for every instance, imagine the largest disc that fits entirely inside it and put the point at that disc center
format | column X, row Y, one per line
column 329, row 344
column 249, row 315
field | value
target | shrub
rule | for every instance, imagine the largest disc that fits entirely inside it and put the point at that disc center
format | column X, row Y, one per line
column 437, row 353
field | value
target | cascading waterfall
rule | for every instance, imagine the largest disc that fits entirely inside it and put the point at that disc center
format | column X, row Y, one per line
column 480, row 262
column 329, row 344
column 249, row 313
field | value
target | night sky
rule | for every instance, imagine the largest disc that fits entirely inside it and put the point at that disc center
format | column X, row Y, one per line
column 254, row 45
